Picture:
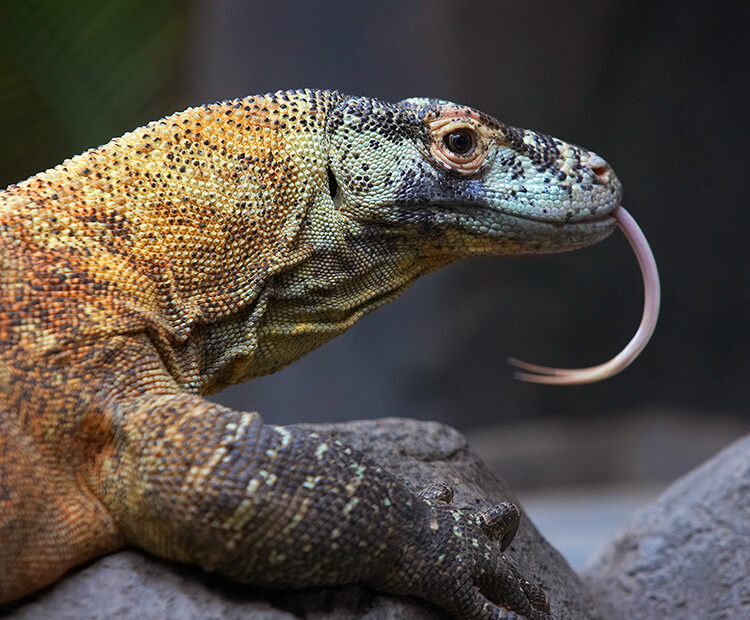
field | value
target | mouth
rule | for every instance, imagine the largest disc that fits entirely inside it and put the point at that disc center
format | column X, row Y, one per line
column 563, row 234
column 574, row 212
column 571, row 216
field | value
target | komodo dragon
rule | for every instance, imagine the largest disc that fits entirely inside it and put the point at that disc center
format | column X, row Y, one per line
column 220, row 244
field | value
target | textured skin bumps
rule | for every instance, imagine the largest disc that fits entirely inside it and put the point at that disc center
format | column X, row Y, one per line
column 222, row 243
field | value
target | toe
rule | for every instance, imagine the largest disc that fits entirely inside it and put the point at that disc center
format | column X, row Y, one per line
column 500, row 522
column 438, row 491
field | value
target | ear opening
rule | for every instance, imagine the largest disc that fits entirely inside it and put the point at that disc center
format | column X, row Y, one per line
column 333, row 186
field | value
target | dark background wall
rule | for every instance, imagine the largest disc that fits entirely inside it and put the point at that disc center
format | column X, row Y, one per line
column 661, row 89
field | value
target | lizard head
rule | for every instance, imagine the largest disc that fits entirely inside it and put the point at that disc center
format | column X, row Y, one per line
column 464, row 181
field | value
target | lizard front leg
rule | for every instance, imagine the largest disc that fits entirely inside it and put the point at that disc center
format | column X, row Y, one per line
column 47, row 522
column 285, row 507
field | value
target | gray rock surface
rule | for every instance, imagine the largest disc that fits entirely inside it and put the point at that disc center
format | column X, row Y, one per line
column 688, row 554
column 133, row 585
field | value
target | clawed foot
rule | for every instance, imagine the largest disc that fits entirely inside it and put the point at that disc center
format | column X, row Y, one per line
column 456, row 561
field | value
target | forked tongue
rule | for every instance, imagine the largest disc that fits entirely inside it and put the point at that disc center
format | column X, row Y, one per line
column 651, row 301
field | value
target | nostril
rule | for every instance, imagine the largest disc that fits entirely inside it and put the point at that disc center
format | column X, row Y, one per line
column 598, row 166
column 599, row 171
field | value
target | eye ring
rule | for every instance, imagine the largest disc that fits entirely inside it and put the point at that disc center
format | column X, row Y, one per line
column 461, row 142
column 459, row 145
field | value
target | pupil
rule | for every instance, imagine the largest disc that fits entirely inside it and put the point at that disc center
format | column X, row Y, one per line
column 459, row 142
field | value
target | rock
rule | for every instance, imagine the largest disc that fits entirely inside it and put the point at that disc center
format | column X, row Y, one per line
column 688, row 554
column 131, row 584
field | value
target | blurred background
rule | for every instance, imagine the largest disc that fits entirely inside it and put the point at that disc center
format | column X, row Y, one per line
column 660, row 89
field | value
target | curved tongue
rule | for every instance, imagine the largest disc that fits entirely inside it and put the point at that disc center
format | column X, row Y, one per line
column 652, row 299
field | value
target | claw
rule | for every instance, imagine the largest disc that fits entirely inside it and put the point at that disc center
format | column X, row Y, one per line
column 500, row 522
column 439, row 491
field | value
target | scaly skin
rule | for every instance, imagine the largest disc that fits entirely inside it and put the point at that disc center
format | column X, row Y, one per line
column 220, row 244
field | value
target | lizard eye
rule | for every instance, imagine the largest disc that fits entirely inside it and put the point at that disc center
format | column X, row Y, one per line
column 460, row 141
column 459, row 145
